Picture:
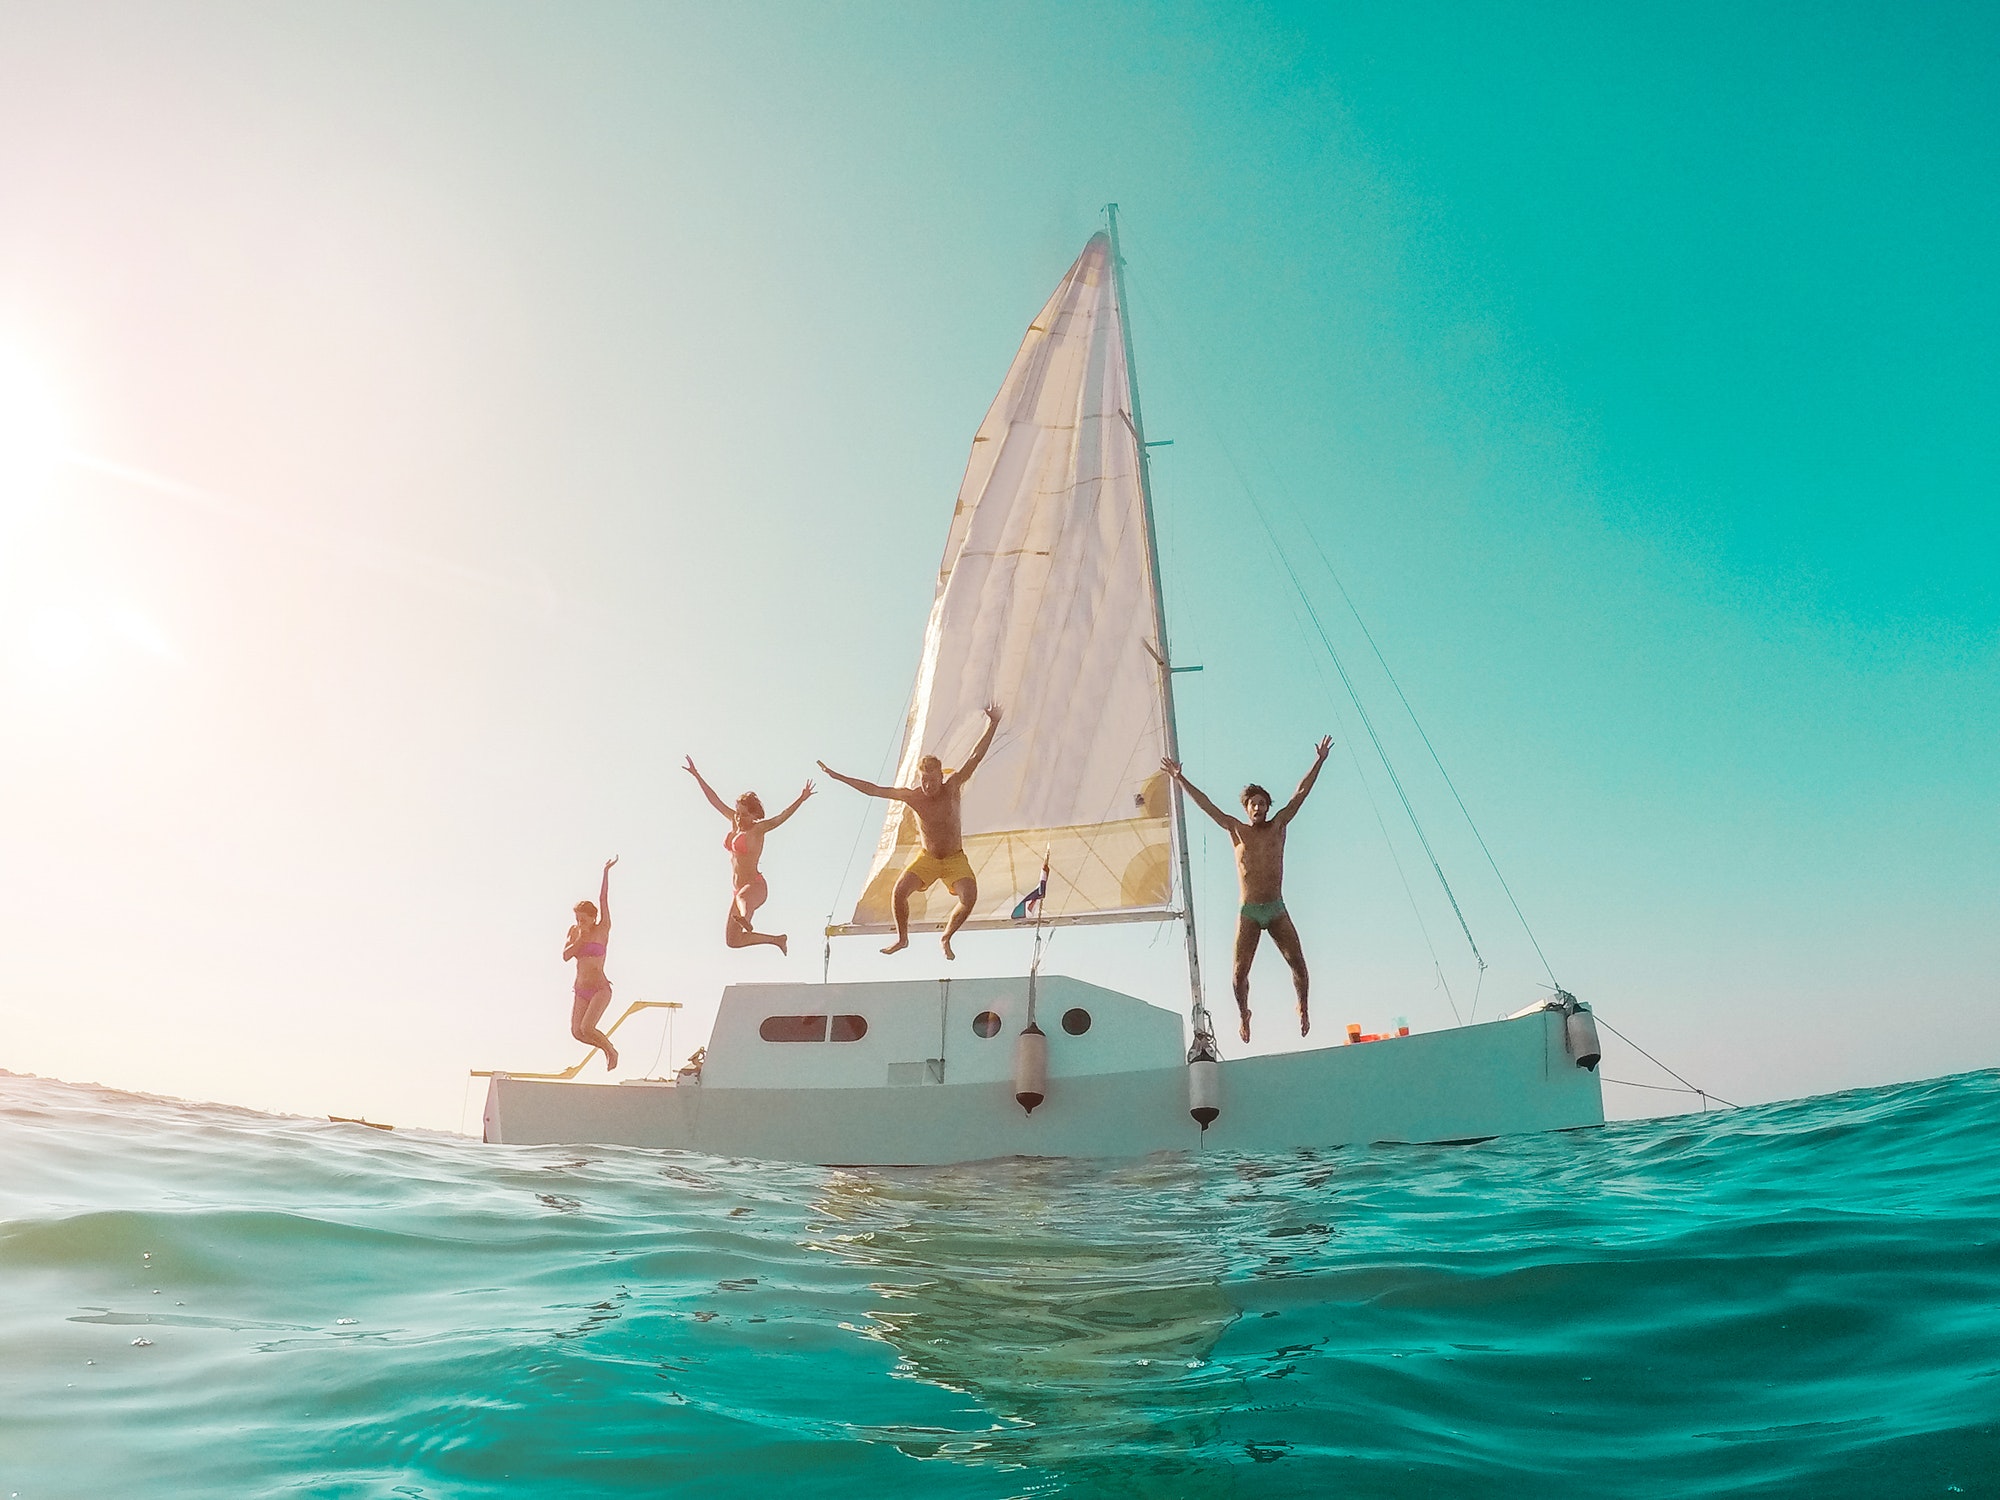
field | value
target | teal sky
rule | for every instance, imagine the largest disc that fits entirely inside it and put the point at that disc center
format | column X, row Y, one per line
column 472, row 409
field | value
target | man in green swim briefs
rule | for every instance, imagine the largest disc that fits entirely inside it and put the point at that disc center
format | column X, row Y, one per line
column 1260, row 868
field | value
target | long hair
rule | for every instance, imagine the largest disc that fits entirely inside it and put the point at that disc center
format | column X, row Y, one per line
column 751, row 802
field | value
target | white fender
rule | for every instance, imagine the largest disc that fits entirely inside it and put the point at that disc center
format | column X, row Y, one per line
column 1031, row 1067
column 1580, row 1036
column 1204, row 1090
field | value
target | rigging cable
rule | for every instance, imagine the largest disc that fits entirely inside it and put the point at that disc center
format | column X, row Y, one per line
column 1690, row 1088
column 1395, row 859
column 1403, row 698
column 1667, row 1088
column 1422, row 734
column 653, row 1071
column 1354, row 696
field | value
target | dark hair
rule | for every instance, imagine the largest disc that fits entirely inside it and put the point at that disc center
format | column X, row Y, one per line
column 752, row 801
column 1254, row 790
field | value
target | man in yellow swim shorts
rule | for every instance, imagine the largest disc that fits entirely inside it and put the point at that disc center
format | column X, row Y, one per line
column 935, row 800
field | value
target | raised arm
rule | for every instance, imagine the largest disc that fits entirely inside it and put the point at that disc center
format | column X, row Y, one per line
column 1286, row 812
column 709, row 792
column 979, row 750
column 1173, row 769
column 604, row 893
column 895, row 793
column 797, row 802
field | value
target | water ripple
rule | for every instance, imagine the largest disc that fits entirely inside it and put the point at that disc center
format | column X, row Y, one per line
column 1801, row 1298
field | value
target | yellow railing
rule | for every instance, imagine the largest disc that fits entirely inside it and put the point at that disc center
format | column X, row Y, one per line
column 570, row 1072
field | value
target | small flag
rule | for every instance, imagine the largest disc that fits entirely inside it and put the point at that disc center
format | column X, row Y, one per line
column 1030, row 905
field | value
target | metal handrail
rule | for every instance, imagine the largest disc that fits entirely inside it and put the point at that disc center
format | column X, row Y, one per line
column 568, row 1073
column 1023, row 924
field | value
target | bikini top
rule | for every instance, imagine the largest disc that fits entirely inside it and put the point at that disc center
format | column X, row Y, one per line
column 590, row 950
column 736, row 839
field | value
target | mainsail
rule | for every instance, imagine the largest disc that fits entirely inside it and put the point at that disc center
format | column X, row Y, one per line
column 1047, row 606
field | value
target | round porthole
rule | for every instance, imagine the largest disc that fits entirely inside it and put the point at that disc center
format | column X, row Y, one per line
column 986, row 1023
column 1076, row 1021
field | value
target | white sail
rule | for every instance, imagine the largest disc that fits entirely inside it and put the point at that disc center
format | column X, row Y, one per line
column 1046, row 606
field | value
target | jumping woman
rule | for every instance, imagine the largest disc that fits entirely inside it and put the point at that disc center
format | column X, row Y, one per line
column 745, row 843
column 587, row 941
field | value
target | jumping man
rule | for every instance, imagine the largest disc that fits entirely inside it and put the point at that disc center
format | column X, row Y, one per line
column 935, row 801
column 1260, row 869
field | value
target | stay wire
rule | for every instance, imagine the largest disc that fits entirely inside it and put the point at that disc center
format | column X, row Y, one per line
column 1691, row 1088
column 1353, row 694
column 1656, row 1088
column 1374, row 806
column 1436, row 760
column 1395, row 859
column 1402, row 697
column 653, row 1070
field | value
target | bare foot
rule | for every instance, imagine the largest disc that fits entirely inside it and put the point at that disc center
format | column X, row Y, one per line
column 1305, row 1021
column 898, row 946
column 782, row 940
column 945, row 943
column 610, row 1059
column 1243, row 1028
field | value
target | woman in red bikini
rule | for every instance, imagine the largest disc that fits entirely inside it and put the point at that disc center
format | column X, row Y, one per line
column 745, row 843
column 588, row 939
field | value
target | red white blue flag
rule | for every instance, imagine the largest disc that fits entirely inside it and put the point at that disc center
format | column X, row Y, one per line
column 1030, row 905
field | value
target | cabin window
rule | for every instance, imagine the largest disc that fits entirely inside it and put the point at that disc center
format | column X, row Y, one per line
column 1076, row 1020
column 813, row 1028
column 986, row 1023
column 793, row 1028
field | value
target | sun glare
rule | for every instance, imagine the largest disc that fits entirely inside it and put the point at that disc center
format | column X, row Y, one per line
column 34, row 435
column 61, row 640
column 67, row 641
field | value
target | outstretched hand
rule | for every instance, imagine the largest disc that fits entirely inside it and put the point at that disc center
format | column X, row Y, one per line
column 1171, row 766
column 824, row 767
column 611, row 861
column 688, row 766
column 993, row 712
column 1325, row 744
column 807, row 792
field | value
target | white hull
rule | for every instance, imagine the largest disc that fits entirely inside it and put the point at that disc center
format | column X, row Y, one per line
column 922, row 1086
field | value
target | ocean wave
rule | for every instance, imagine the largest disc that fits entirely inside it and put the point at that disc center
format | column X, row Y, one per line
column 1801, row 1298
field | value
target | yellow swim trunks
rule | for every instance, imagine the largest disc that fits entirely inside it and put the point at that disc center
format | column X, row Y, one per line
column 931, row 868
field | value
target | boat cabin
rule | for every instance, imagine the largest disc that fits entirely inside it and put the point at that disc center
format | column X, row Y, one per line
column 911, row 1033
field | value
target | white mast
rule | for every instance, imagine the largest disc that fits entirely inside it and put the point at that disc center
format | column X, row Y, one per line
column 1178, row 814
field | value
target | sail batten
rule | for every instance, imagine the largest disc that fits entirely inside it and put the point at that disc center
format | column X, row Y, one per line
column 1046, row 605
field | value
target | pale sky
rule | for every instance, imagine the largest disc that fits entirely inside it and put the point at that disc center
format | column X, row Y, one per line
column 421, row 426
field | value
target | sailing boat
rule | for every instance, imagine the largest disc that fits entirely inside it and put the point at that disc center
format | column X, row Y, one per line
column 1048, row 602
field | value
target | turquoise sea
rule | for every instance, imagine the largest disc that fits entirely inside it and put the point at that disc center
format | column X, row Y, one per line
column 1797, row 1299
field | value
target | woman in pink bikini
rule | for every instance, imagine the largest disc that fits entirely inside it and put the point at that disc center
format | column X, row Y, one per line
column 745, row 843
column 587, row 941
